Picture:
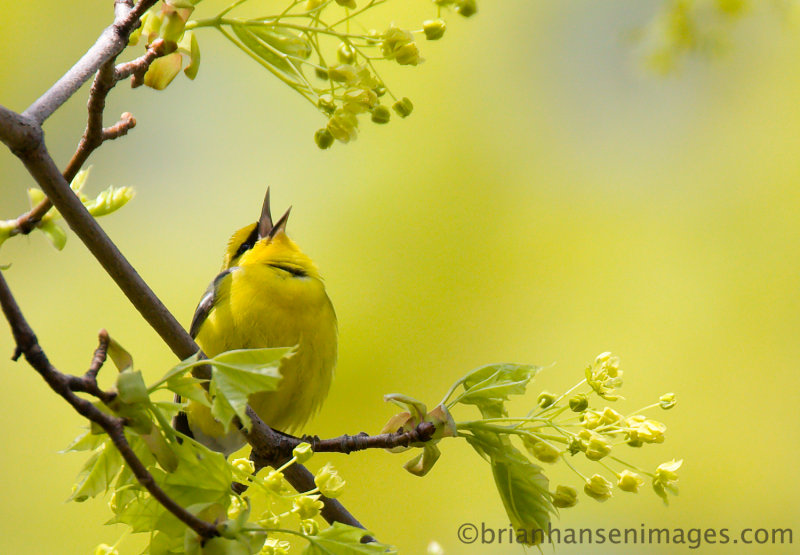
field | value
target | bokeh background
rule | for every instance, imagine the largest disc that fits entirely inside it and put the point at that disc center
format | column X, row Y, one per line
column 549, row 199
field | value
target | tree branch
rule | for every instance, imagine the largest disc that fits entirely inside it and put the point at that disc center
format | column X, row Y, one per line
column 65, row 385
column 110, row 43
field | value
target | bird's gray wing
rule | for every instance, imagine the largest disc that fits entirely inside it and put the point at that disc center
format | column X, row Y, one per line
column 207, row 302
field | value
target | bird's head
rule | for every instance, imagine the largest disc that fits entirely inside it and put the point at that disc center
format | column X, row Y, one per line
column 265, row 242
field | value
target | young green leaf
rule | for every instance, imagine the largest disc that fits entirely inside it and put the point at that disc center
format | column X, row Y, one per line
column 98, row 472
column 54, row 233
column 341, row 539
column 121, row 358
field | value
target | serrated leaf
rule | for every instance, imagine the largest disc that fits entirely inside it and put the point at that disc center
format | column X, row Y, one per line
column 240, row 373
column 523, row 489
column 180, row 368
column 341, row 539
column 98, row 472
column 56, row 235
column 195, row 460
column 488, row 387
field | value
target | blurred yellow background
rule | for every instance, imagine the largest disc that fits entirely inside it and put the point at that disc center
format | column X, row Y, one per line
column 548, row 200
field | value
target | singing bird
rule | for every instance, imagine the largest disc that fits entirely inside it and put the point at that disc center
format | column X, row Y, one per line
column 267, row 294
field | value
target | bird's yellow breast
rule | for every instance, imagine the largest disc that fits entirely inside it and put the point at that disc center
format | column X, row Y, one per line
column 260, row 305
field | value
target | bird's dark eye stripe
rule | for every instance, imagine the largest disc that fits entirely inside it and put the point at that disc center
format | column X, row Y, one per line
column 248, row 244
column 296, row 272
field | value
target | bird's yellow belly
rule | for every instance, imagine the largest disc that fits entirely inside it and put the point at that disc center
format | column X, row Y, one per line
column 270, row 309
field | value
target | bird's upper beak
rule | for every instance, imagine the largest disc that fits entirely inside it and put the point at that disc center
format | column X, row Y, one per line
column 265, row 226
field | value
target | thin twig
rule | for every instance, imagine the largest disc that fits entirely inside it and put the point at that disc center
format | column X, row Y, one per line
column 110, row 43
column 28, row 345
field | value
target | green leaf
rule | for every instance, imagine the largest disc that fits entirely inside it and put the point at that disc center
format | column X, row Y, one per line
column 54, row 233
column 488, row 387
column 163, row 70
column 180, row 368
column 121, row 358
column 202, row 476
column 98, row 472
column 80, row 179
column 87, row 441
column 522, row 486
column 131, row 388
column 341, row 539
column 240, row 373
column 422, row 463
column 188, row 387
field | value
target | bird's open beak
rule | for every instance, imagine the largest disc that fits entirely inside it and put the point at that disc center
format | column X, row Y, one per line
column 265, row 226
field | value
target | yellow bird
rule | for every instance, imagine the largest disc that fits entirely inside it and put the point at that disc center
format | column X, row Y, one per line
column 267, row 294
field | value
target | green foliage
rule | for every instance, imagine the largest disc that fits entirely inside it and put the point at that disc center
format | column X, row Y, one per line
column 316, row 47
column 108, row 201
column 343, row 540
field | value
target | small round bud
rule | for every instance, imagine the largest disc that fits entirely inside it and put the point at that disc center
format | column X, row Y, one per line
column 323, row 138
column 349, row 4
column 373, row 36
column 546, row 399
column 597, row 448
column 381, row 114
column 346, row 53
column 302, row 453
column 598, row 487
column 545, row 452
column 466, row 8
column 403, row 107
column 326, row 103
column 408, row 55
column 579, row 403
column 274, row 481
column 307, row 506
column 565, row 497
column 575, row 446
column 434, row 28
column 667, row 401
column 245, row 466
column 321, row 73
column 343, row 125
column 358, row 101
column 313, row 4
column 629, row 481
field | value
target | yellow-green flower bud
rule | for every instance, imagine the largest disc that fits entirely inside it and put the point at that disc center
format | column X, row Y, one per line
column 105, row 549
column 163, row 70
column 610, row 416
column 591, row 419
column 344, row 73
column 598, row 487
column 274, row 481
column 579, row 403
column 666, row 479
column 309, row 527
column 667, row 401
column 545, row 399
column 545, row 452
column 466, row 8
column 381, row 114
column 407, row 55
column 302, row 452
column 323, row 138
column 575, row 446
column 313, row 4
column 244, row 466
column 329, row 482
column 597, row 448
column 358, row 101
column 629, row 481
column 403, row 107
column 346, row 53
column 307, row 506
column 434, row 28
column 321, row 73
column 343, row 125
column 275, row 547
column 349, row 4
column 565, row 497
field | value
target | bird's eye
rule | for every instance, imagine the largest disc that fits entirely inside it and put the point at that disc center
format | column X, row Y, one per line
column 248, row 243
